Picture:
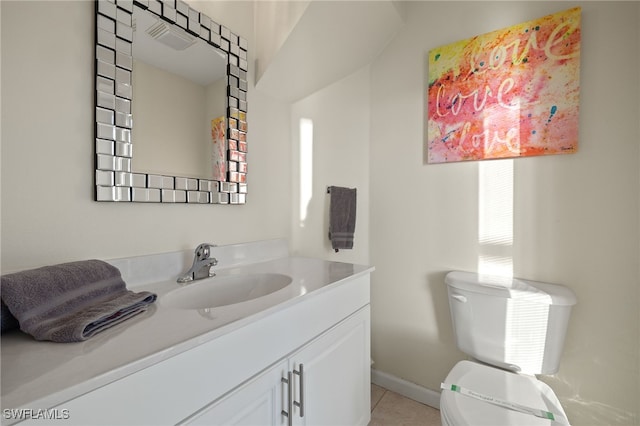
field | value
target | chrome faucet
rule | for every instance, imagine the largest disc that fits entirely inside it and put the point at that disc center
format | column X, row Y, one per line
column 202, row 264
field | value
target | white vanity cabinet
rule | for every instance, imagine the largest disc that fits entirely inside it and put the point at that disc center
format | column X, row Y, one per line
column 258, row 402
column 326, row 382
column 233, row 375
column 336, row 380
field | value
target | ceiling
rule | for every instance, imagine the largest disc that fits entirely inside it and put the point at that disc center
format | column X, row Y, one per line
column 331, row 40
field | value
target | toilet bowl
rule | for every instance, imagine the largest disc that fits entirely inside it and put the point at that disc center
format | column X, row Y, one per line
column 515, row 399
column 514, row 329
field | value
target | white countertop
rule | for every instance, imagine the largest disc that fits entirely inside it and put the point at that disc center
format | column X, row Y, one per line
column 40, row 375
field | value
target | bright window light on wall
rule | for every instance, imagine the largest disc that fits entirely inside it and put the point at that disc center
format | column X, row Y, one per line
column 306, row 167
column 495, row 217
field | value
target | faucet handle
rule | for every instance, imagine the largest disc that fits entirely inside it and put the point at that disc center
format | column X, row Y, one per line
column 203, row 251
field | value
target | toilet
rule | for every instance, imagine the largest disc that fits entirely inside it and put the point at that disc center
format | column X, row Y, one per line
column 513, row 329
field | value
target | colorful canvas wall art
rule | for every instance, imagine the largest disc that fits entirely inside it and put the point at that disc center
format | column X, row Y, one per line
column 219, row 151
column 509, row 93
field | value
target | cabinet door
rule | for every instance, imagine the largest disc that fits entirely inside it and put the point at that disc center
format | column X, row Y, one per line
column 336, row 375
column 258, row 402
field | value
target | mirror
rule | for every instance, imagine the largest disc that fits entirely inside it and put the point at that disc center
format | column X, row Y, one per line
column 179, row 81
column 182, row 79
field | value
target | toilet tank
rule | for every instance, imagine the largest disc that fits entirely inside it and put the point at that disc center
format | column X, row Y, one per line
column 511, row 323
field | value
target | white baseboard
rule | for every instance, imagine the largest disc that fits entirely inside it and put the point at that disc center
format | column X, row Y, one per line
column 405, row 388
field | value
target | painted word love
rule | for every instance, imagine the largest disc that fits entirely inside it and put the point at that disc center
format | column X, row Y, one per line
column 509, row 93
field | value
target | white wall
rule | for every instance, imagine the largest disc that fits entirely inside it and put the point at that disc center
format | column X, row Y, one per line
column 48, row 212
column 340, row 118
column 575, row 217
column 273, row 24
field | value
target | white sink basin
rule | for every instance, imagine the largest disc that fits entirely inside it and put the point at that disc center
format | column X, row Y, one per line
column 226, row 290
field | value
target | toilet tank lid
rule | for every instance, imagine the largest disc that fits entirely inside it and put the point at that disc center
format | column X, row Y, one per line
column 512, row 288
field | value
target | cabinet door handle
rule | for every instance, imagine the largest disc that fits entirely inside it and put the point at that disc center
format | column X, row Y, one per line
column 300, row 404
column 289, row 382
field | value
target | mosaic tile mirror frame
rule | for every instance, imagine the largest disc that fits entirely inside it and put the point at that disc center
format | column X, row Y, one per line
column 115, row 179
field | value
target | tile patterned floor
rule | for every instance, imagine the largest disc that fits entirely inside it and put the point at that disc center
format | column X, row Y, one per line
column 391, row 409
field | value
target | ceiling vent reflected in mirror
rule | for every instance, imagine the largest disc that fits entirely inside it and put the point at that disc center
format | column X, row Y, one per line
column 170, row 35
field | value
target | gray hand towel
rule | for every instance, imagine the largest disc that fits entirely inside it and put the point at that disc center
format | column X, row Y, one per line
column 71, row 302
column 342, row 217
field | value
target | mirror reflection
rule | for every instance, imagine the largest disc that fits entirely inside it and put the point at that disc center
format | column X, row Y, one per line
column 179, row 87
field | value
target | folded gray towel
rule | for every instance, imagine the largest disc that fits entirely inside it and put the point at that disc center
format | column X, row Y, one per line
column 342, row 217
column 71, row 302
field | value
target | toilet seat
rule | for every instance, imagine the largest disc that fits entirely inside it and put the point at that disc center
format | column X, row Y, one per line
column 457, row 409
